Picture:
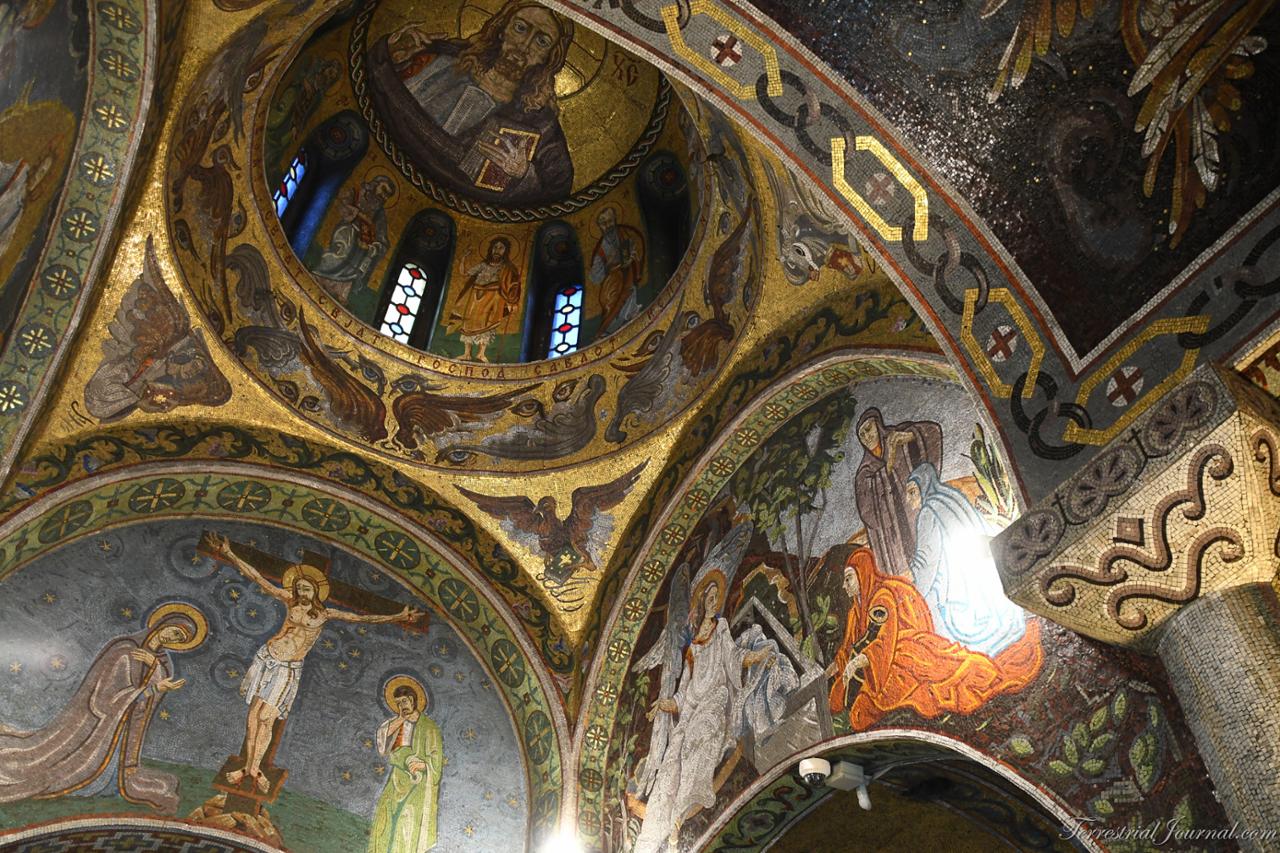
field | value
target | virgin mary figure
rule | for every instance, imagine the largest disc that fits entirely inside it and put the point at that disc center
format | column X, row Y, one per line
column 105, row 722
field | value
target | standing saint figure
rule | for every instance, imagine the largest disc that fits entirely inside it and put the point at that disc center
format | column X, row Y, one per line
column 480, row 115
column 617, row 263
column 271, row 684
column 891, row 657
column 405, row 819
column 357, row 242
column 890, row 453
column 953, row 568
column 103, row 726
column 487, row 299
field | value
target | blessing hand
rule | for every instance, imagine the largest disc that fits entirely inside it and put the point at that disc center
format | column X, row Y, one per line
column 416, row 765
column 509, row 157
column 170, row 684
column 407, row 41
column 143, row 657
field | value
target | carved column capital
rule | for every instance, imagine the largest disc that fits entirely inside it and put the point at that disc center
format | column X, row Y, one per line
column 1184, row 504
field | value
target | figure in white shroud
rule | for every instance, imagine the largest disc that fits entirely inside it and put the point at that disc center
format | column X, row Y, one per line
column 726, row 686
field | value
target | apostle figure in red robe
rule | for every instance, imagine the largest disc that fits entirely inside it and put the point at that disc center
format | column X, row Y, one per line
column 891, row 658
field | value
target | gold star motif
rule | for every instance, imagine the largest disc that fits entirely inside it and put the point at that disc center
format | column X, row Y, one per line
column 164, row 714
column 469, row 830
column 57, row 663
column 126, row 612
column 379, row 770
column 354, row 653
column 105, row 547
column 253, row 611
column 368, row 743
column 488, row 795
column 512, row 801
column 342, row 665
column 50, row 598
column 346, row 775
column 195, row 559
column 233, row 673
column 234, row 594
column 328, row 644
column 15, row 667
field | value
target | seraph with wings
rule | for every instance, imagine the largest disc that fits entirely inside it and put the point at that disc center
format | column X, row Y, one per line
column 575, row 543
column 668, row 651
column 1189, row 59
column 154, row 360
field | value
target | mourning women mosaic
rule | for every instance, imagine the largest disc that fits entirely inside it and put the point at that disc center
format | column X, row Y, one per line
column 639, row 427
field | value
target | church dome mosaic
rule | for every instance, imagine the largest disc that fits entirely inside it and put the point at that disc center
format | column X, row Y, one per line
column 481, row 180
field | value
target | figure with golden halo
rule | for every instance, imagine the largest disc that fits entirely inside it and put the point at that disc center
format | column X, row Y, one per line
column 481, row 113
column 105, row 722
column 617, row 264
column 487, row 301
column 405, row 819
column 713, row 689
column 271, row 684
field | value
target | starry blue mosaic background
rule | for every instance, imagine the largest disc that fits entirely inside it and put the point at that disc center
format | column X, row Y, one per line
column 59, row 611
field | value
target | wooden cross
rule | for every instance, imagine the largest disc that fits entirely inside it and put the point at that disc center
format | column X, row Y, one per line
column 245, row 797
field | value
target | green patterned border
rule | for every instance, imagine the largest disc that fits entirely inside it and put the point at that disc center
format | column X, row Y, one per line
column 772, row 409
column 323, row 514
column 121, row 53
column 214, row 443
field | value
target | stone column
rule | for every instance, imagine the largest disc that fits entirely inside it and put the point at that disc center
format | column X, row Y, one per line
column 1222, row 652
column 1168, row 542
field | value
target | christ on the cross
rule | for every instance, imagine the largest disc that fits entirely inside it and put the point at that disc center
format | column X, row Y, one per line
column 271, row 684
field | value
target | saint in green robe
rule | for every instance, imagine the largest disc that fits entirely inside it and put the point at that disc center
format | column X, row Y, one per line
column 405, row 820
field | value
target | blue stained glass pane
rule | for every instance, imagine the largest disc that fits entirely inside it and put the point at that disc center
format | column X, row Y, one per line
column 567, row 317
column 289, row 183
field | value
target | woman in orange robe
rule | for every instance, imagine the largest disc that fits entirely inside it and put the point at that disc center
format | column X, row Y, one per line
column 907, row 665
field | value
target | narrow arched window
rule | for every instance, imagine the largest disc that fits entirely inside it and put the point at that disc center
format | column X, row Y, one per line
column 405, row 304
column 566, row 321
column 664, row 205
column 308, row 185
column 409, row 301
column 288, row 188
column 557, row 293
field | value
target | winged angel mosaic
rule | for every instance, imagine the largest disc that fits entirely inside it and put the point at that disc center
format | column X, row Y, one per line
column 1189, row 58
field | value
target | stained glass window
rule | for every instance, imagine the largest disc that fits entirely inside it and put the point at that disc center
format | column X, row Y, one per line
column 406, row 301
column 566, row 321
column 289, row 183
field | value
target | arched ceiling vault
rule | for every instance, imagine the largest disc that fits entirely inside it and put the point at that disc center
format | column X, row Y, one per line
column 793, row 322
column 925, row 295
column 1049, row 398
column 72, row 230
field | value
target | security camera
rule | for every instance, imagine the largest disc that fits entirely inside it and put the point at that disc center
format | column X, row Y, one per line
column 815, row 771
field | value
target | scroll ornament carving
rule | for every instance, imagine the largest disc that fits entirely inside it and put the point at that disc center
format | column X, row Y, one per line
column 1185, row 504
